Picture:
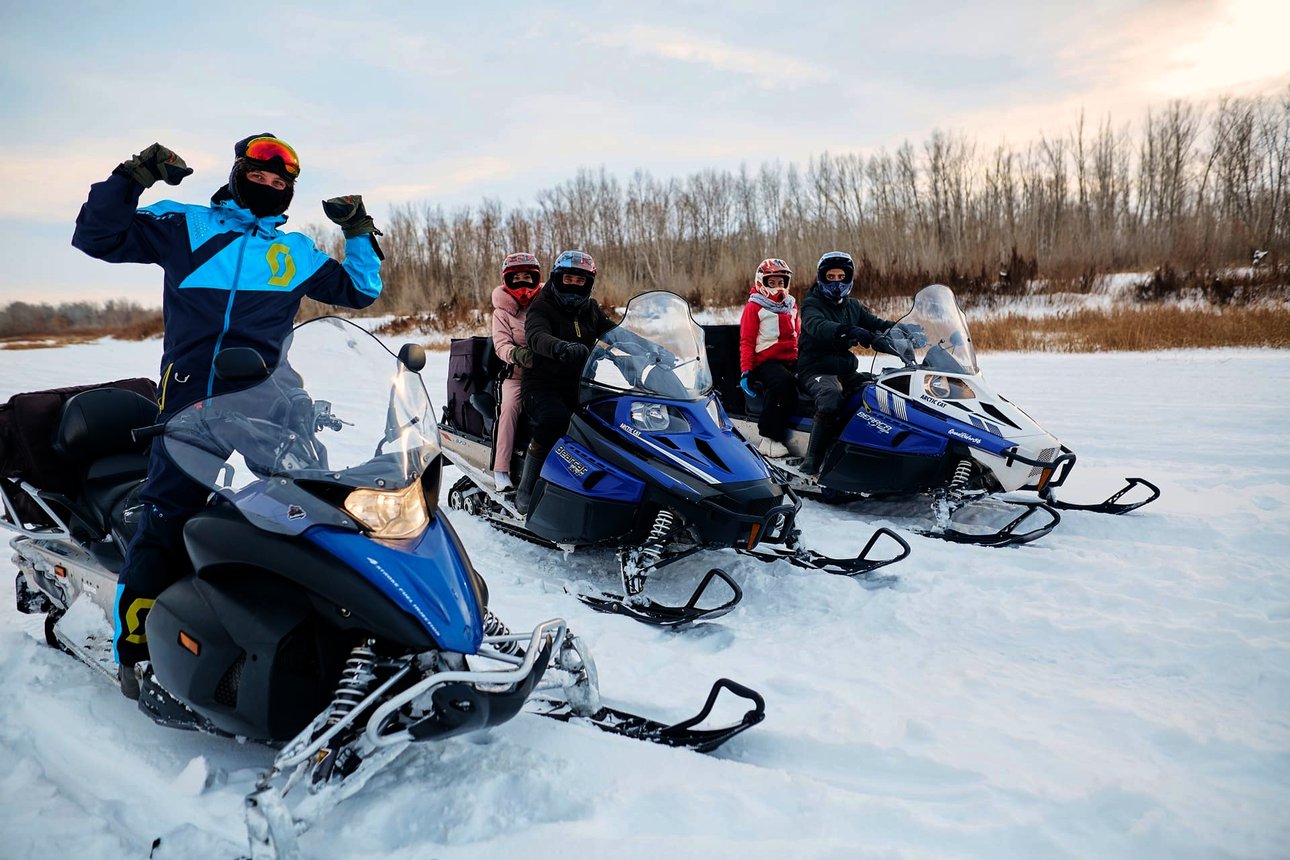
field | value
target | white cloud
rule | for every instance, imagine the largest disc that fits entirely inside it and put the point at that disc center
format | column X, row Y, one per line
column 772, row 68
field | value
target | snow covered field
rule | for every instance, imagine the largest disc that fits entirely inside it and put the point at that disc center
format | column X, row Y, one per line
column 1120, row 688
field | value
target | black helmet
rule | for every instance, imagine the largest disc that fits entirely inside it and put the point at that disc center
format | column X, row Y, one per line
column 572, row 263
column 835, row 291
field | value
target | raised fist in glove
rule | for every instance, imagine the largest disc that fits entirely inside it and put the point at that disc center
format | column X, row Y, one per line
column 746, row 385
column 914, row 333
column 155, row 162
column 572, row 352
column 522, row 355
column 348, row 213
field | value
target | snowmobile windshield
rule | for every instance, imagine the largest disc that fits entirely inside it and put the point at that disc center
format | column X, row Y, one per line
column 657, row 350
column 949, row 345
column 339, row 410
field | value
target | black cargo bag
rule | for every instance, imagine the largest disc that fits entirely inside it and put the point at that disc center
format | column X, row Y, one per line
column 472, row 367
column 28, row 423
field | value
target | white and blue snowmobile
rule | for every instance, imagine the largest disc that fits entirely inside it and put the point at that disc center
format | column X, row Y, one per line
column 331, row 610
column 931, row 424
column 650, row 466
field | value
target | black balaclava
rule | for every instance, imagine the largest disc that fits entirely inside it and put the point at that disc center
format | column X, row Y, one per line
column 263, row 201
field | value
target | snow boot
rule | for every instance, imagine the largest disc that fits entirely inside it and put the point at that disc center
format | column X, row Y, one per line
column 771, row 448
column 818, row 445
column 528, row 479
column 129, row 681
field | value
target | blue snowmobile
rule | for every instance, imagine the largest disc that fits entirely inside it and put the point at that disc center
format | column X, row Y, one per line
column 930, row 424
column 331, row 611
column 650, row 465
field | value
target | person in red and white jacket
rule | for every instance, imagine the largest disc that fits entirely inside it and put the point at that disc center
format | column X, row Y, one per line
column 768, row 332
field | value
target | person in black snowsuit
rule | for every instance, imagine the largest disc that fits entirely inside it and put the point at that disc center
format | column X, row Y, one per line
column 561, row 326
column 832, row 324
column 232, row 279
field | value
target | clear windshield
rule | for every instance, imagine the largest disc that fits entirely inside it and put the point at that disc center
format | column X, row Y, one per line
column 949, row 345
column 657, row 350
column 338, row 409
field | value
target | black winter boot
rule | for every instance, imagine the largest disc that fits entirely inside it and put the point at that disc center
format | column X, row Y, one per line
column 533, row 461
column 818, row 445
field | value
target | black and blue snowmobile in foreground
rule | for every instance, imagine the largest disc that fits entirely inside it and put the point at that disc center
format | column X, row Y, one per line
column 331, row 610
column 932, row 425
column 650, row 466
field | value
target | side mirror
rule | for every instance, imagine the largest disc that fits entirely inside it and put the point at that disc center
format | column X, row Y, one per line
column 240, row 364
column 413, row 356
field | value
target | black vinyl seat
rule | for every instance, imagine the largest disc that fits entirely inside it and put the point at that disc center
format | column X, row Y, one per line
column 94, row 436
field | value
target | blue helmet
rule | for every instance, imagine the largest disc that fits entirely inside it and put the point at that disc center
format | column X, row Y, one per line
column 835, row 291
column 572, row 263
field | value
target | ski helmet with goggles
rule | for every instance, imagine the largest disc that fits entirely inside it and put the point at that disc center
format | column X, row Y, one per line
column 263, row 152
column 572, row 296
column 766, row 269
column 512, row 266
column 835, row 291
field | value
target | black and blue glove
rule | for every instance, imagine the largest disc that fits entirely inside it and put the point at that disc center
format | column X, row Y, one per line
column 914, row 333
column 746, row 385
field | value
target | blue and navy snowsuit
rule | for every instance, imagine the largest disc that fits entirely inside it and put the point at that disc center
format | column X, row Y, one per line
column 231, row 280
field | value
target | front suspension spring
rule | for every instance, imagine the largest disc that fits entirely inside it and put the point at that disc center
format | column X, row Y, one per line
column 494, row 626
column 354, row 680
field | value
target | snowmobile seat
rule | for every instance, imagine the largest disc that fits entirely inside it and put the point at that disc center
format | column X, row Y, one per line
column 94, row 437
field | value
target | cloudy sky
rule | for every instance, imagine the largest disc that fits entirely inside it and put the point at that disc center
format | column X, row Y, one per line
column 449, row 102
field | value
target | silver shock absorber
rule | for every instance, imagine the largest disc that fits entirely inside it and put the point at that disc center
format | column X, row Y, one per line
column 494, row 626
column 959, row 480
column 639, row 562
column 354, row 680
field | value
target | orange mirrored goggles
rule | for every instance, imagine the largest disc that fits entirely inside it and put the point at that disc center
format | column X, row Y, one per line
column 269, row 148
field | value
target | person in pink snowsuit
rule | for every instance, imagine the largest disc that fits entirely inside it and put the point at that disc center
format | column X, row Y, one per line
column 521, row 280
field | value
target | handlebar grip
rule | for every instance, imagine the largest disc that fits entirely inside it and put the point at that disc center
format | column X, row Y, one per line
column 138, row 434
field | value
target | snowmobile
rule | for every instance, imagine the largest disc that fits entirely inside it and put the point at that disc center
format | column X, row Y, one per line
column 331, row 611
column 651, row 466
column 931, row 424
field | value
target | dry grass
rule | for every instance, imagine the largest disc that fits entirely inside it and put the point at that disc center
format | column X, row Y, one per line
column 46, row 341
column 1135, row 330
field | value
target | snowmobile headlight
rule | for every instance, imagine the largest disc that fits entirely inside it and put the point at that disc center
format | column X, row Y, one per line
column 652, row 417
column 392, row 514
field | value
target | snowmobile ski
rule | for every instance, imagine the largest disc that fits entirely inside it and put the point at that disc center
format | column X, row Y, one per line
column 650, row 611
column 1112, row 504
column 682, row 734
column 1006, row 536
column 812, row 560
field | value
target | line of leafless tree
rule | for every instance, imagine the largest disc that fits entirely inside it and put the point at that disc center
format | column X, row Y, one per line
column 115, row 316
column 1198, row 187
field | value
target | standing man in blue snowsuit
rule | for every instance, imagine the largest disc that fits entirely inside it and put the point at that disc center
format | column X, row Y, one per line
column 232, row 279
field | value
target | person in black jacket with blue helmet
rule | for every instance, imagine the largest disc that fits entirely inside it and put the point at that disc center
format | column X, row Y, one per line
column 232, row 279
column 832, row 324
column 561, row 326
